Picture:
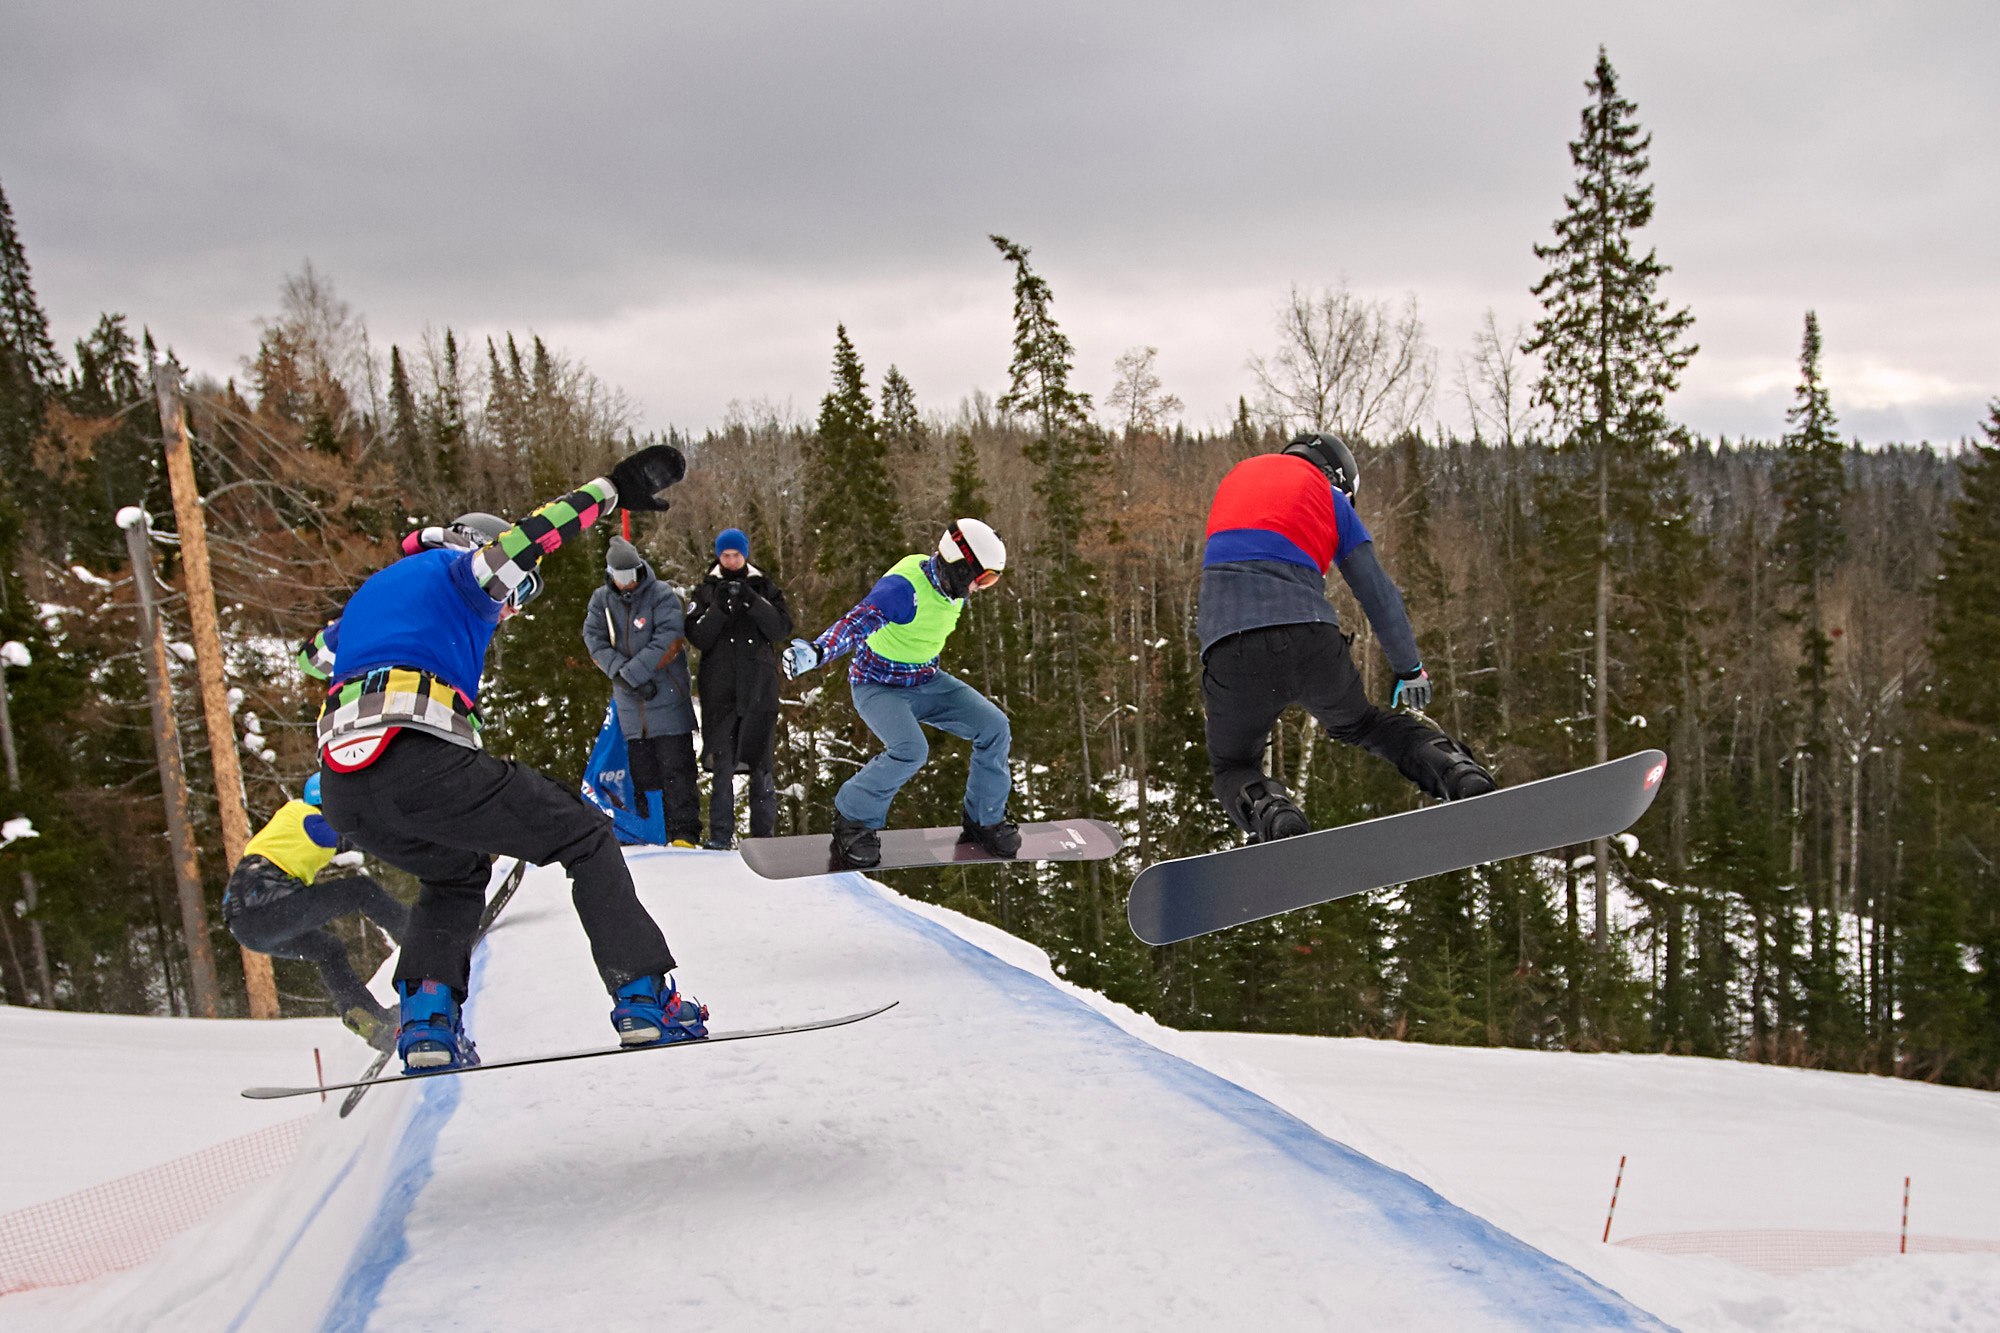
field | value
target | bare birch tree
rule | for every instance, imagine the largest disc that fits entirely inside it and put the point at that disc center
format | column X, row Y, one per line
column 1347, row 364
column 1137, row 394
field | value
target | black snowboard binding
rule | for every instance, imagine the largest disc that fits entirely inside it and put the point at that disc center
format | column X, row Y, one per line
column 1001, row 839
column 1455, row 774
column 855, row 845
column 1266, row 811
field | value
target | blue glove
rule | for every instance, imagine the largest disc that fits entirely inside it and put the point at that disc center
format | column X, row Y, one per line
column 1413, row 690
column 800, row 658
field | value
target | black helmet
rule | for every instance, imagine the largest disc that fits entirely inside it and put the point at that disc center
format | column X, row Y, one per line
column 1330, row 454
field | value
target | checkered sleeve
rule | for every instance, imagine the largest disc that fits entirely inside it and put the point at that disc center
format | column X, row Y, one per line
column 504, row 564
column 315, row 656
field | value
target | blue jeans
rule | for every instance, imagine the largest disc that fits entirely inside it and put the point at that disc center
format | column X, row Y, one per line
column 894, row 712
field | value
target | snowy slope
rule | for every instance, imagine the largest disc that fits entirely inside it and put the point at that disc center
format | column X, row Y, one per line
column 72, row 1090
column 993, row 1153
column 1004, row 1150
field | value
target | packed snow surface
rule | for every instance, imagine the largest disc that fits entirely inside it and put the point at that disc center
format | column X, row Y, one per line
column 1000, row 1151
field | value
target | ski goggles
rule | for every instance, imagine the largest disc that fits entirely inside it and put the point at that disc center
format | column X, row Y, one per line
column 986, row 578
column 527, row 590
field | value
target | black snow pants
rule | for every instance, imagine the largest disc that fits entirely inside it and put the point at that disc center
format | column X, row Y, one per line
column 1248, row 679
column 277, row 914
column 742, row 744
column 665, row 764
column 441, row 811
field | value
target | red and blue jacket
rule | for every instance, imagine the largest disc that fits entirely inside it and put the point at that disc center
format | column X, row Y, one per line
column 1275, row 527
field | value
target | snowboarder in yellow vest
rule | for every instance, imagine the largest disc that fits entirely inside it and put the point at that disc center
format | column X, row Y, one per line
column 273, row 905
column 896, row 634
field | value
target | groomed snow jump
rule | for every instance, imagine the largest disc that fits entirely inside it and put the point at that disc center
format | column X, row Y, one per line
column 993, row 1153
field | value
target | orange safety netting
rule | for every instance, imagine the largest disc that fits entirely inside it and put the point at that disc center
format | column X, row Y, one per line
column 1786, row 1253
column 124, row 1222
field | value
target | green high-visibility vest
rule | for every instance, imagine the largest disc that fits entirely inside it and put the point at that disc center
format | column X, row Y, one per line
column 923, row 638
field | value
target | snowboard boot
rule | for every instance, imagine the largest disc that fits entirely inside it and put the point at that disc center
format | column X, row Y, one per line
column 1266, row 810
column 648, row 1011
column 373, row 1024
column 719, row 845
column 1455, row 772
column 855, row 845
column 999, row 839
column 433, row 1034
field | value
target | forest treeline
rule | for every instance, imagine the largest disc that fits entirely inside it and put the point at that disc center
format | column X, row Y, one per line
column 1805, row 626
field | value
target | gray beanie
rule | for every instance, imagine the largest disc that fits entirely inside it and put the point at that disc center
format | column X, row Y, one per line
column 622, row 555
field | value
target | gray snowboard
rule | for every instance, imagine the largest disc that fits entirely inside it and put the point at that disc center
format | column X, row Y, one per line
column 712, row 1039
column 904, row 848
column 1177, row 900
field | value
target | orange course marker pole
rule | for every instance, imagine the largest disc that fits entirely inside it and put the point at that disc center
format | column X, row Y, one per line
column 1615, row 1186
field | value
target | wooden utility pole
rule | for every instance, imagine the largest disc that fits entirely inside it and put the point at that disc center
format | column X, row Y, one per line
column 204, row 994
column 208, row 658
column 30, row 891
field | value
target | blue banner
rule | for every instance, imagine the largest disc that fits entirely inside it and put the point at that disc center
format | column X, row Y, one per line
column 607, row 784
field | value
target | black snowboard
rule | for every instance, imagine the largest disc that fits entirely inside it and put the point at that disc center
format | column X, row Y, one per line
column 1177, row 900
column 486, row 918
column 269, row 1094
column 903, row 848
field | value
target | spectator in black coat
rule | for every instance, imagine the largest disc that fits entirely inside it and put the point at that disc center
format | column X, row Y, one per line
column 738, row 620
column 634, row 631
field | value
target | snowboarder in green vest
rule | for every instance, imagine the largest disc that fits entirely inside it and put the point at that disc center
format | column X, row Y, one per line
column 895, row 634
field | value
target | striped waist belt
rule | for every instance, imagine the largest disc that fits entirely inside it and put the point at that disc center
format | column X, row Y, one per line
column 397, row 696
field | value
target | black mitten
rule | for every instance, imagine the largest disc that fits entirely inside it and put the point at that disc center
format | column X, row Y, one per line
column 642, row 476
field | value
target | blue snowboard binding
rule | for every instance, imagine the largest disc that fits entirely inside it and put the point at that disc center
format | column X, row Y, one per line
column 651, row 1010
column 432, row 1035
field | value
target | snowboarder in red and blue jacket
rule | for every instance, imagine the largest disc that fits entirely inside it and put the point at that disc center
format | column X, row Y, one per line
column 1270, row 639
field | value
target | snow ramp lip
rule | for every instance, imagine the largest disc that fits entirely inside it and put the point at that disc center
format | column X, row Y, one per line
column 1521, row 1284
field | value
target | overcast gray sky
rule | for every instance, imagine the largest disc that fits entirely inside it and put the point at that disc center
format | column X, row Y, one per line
column 689, row 197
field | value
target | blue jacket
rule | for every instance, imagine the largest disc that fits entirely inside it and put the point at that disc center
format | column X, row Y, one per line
column 425, row 611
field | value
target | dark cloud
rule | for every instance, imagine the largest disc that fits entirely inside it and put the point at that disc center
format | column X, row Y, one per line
column 604, row 169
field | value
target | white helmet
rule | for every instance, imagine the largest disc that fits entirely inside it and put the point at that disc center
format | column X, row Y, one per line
column 975, row 542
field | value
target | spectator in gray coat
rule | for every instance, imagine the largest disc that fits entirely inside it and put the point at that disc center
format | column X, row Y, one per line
column 635, row 631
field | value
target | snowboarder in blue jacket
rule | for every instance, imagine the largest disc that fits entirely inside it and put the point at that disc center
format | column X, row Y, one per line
column 404, row 776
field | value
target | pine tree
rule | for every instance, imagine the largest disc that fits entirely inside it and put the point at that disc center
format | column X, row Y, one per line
column 1068, row 619
column 852, row 505
column 446, row 424
column 30, row 370
column 410, row 458
column 1611, row 351
column 967, row 498
column 900, row 423
column 1958, row 905
column 1811, row 482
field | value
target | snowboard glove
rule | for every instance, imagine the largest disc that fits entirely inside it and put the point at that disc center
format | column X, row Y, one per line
column 800, row 658
column 1412, row 690
column 640, row 477
column 649, row 689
